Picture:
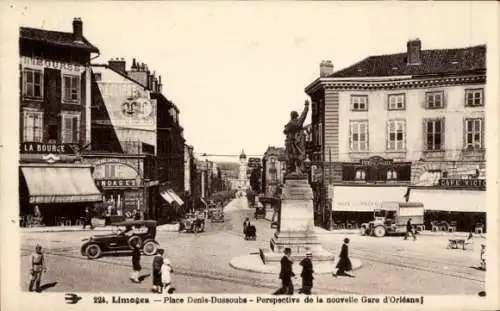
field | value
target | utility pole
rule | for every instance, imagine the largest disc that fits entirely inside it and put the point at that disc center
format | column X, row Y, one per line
column 330, row 209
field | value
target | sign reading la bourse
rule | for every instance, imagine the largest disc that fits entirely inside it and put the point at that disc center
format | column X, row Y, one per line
column 463, row 183
column 116, row 183
column 41, row 148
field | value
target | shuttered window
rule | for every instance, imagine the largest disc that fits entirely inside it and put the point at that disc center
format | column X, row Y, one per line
column 70, row 128
column 32, row 126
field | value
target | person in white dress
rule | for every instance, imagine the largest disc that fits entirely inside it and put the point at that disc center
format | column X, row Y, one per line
column 166, row 276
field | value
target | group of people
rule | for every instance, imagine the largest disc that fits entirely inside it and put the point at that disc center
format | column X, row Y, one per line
column 162, row 269
column 286, row 273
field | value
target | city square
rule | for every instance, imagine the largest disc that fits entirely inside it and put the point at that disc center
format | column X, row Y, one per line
column 391, row 265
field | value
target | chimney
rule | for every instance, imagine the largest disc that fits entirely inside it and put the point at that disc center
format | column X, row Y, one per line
column 78, row 29
column 134, row 64
column 325, row 68
column 118, row 65
column 414, row 48
column 160, row 85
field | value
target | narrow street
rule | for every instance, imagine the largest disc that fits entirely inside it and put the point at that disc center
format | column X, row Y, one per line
column 201, row 263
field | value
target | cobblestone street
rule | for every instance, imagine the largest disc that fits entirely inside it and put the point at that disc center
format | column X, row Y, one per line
column 201, row 263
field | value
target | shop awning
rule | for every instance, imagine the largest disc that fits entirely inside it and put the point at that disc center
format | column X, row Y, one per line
column 364, row 199
column 167, row 197
column 170, row 196
column 450, row 200
column 57, row 184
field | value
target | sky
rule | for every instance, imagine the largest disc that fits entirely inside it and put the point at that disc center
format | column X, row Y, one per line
column 236, row 70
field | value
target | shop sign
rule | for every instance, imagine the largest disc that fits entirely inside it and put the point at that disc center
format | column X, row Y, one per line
column 48, row 63
column 41, row 148
column 374, row 161
column 117, row 183
column 132, row 201
column 463, row 183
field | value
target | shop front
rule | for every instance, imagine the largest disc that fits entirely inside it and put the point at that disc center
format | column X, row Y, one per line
column 453, row 204
column 55, row 188
column 354, row 205
column 125, row 191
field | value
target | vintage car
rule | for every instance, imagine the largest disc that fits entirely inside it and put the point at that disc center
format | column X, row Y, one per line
column 125, row 235
column 192, row 223
column 260, row 211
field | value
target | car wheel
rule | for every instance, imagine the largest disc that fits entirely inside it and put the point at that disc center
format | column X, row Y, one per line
column 134, row 240
column 150, row 248
column 379, row 231
column 93, row 251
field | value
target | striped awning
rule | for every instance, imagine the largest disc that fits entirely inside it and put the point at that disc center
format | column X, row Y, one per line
column 57, row 184
column 170, row 196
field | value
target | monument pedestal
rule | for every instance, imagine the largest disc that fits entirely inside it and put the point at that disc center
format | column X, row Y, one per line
column 296, row 225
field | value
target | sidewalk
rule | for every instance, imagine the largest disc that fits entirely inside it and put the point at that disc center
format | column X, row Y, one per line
column 320, row 230
column 162, row 228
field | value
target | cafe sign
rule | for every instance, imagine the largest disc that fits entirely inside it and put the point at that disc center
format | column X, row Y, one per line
column 374, row 161
column 41, row 148
column 117, row 183
column 463, row 183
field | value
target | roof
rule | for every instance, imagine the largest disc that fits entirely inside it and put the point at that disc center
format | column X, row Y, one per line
column 106, row 66
column 56, row 38
column 433, row 62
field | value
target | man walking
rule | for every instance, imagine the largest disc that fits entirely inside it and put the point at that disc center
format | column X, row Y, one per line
column 87, row 219
column 136, row 263
column 37, row 268
column 286, row 274
column 409, row 230
column 157, row 266
column 307, row 274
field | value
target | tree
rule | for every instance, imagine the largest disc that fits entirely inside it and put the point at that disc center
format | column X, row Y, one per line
column 255, row 179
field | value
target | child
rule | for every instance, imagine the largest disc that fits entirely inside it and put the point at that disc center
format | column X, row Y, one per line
column 166, row 278
column 157, row 265
column 136, row 263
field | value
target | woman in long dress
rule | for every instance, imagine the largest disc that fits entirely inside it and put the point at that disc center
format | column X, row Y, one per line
column 344, row 263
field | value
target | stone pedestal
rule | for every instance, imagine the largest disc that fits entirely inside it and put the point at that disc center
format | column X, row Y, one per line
column 296, row 225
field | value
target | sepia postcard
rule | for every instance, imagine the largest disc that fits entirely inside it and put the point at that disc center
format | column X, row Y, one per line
column 225, row 154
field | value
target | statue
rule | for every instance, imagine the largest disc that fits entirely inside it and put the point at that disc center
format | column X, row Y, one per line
column 295, row 143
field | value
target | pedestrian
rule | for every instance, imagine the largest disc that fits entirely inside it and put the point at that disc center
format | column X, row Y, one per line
column 37, row 268
column 286, row 274
column 307, row 274
column 246, row 223
column 483, row 257
column 344, row 263
column 157, row 266
column 409, row 230
column 136, row 263
column 166, row 276
column 87, row 219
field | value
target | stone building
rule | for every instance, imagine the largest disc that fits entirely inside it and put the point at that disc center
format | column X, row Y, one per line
column 410, row 119
column 274, row 168
column 55, row 186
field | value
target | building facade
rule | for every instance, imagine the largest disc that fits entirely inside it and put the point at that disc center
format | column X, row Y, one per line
column 55, row 185
column 400, row 120
column 274, row 169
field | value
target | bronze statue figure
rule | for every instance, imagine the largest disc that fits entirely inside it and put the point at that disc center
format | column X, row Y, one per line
column 295, row 143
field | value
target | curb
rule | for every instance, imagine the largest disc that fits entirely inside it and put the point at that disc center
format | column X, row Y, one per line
column 356, row 263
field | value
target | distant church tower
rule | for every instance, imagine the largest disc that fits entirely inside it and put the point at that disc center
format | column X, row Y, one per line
column 243, row 182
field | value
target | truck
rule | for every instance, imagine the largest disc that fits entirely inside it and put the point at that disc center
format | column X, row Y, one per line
column 392, row 218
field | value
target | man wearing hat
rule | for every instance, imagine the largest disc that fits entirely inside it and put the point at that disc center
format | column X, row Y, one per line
column 286, row 274
column 307, row 274
column 37, row 268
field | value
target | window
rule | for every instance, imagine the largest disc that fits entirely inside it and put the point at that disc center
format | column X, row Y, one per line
column 474, row 98
column 360, row 174
column 434, row 100
column 473, row 133
column 71, row 86
column 396, row 102
column 70, row 128
column 32, row 126
column 434, row 134
column 32, row 83
column 358, row 136
column 359, row 102
column 392, row 174
column 319, row 134
column 396, row 135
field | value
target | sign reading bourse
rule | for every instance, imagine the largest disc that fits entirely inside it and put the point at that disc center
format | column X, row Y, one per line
column 41, row 148
column 463, row 183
